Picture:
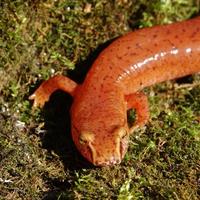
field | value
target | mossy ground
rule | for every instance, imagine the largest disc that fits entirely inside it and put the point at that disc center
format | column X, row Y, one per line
column 37, row 157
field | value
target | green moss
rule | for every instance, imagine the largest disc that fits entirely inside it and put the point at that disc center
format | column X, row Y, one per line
column 165, row 12
column 38, row 158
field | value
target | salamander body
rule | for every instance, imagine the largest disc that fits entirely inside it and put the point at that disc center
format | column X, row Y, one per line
column 114, row 83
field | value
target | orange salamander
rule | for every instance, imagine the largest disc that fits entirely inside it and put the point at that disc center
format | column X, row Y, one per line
column 114, row 83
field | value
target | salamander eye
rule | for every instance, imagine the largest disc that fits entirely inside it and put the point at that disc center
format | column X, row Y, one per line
column 82, row 140
column 86, row 137
column 122, row 132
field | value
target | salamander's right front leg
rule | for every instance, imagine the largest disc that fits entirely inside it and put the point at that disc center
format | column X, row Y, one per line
column 139, row 102
column 42, row 94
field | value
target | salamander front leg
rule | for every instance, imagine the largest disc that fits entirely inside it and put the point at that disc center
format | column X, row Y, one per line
column 139, row 102
column 42, row 94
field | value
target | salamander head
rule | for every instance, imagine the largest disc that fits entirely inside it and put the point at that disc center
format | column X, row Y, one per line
column 102, row 149
column 99, row 125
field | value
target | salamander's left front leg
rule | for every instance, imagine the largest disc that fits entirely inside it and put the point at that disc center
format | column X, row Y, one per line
column 139, row 102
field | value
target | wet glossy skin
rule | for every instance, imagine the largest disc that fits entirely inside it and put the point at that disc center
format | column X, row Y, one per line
column 132, row 62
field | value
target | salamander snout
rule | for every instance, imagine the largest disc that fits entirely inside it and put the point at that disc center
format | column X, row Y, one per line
column 103, row 149
column 112, row 151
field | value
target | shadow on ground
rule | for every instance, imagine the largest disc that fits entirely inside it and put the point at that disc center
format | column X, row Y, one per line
column 58, row 140
column 58, row 137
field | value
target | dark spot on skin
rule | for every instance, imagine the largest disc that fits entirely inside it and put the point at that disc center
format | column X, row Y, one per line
column 128, row 61
column 133, row 54
column 148, row 50
column 125, row 54
column 128, row 47
column 104, row 78
column 183, row 30
column 194, row 40
column 193, row 34
column 190, row 55
column 169, row 42
column 110, row 67
column 176, row 36
column 138, row 45
column 107, row 77
column 126, row 40
column 119, row 57
column 98, row 154
column 168, row 31
column 155, row 35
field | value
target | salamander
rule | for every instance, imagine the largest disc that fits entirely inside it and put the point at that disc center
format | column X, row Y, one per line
column 114, row 82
